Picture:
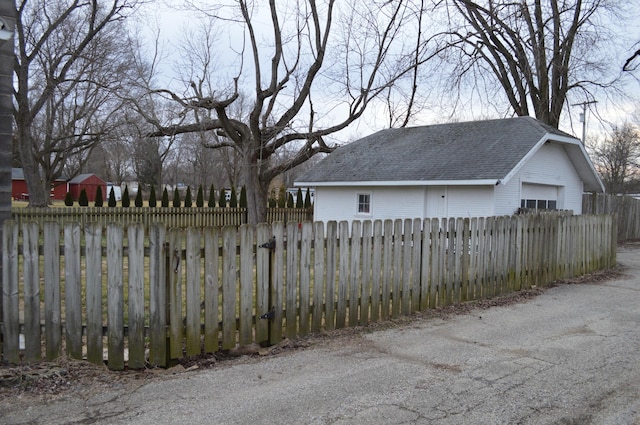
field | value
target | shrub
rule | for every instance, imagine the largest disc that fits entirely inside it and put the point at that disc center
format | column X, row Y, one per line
column 112, row 198
column 98, row 200
column 282, row 197
column 307, row 199
column 290, row 201
column 222, row 199
column 138, row 201
column 165, row 198
column 83, row 200
column 233, row 201
column 176, row 198
column 211, row 203
column 299, row 200
column 272, row 199
column 68, row 199
column 243, row 197
column 152, row 197
column 126, row 201
column 200, row 197
column 187, row 198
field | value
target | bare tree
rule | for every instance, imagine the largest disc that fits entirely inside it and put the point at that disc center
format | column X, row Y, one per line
column 617, row 158
column 69, row 59
column 536, row 51
column 315, row 70
column 630, row 64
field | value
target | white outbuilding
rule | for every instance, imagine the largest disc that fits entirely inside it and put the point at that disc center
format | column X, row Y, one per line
column 466, row 169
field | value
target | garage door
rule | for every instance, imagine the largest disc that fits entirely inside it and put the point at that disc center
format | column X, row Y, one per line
column 539, row 196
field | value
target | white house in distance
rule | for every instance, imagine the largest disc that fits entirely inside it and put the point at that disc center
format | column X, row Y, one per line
column 467, row 169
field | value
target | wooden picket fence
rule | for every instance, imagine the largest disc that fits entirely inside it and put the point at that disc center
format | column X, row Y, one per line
column 135, row 296
column 626, row 208
column 182, row 217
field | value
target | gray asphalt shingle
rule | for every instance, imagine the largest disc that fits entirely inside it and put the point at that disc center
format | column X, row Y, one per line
column 474, row 150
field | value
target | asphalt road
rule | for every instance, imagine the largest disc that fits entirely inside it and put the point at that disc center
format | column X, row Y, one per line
column 568, row 356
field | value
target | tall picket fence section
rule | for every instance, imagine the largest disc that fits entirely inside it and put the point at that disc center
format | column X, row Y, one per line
column 135, row 295
column 627, row 209
column 170, row 216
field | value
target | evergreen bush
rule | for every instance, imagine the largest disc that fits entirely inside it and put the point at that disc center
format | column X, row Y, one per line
column 243, row 197
column 233, row 201
column 200, row 197
column 98, row 200
column 68, row 199
column 307, row 199
column 290, row 201
column 188, row 203
column 165, row 198
column 212, row 197
column 83, row 200
column 126, row 201
column 176, row 198
column 282, row 197
column 152, row 197
column 299, row 200
column 138, row 200
column 111, row 202
column 222, row 199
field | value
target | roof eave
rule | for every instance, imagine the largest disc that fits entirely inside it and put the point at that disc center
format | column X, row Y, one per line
column 477, row 182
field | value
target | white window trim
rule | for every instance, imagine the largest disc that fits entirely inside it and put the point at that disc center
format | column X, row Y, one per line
column 363, row 214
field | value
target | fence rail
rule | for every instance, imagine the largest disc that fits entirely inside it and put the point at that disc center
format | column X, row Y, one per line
column 180, row 292
column 170, row 216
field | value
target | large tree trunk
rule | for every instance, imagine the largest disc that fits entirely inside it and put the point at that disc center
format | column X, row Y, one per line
column 257, row 190
column 38, row 197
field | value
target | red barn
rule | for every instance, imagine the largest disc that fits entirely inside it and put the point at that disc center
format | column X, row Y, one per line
column 90, row 183
column 19, row 186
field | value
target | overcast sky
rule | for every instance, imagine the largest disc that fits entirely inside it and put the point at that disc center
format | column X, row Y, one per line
column 173, row 24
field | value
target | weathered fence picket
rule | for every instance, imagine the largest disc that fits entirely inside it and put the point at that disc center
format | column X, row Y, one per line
column 217, row 288
column 93, row 265
column 52, row 302
column 246, row 285
column 115, row 297
column 31, row 275
column 136, row 308
column 72, row 291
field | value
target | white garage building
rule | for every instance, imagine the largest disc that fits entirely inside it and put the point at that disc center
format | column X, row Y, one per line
column 468, row 169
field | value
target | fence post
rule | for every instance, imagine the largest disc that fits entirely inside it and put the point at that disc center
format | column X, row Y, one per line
column 264, row 303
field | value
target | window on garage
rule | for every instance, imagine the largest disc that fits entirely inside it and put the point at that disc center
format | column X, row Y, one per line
column 364, row 203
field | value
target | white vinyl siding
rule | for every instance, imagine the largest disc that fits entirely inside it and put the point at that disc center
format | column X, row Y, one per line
column 470, row 201
column 341, row 203
column 549, row 167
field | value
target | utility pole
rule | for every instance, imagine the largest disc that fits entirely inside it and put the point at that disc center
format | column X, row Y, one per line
column 7, row 24
column 583, row 117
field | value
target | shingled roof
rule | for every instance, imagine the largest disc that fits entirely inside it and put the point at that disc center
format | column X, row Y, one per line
column 464, row 151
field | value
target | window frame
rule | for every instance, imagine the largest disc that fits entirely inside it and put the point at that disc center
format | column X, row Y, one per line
column 362, row 203
column 539, row 204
